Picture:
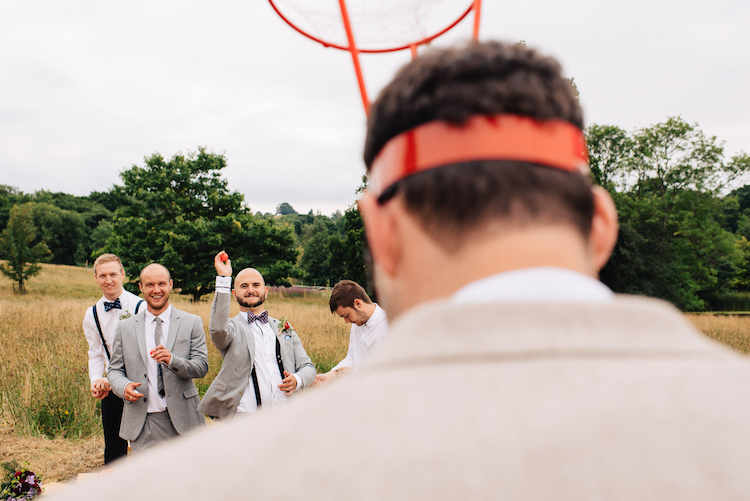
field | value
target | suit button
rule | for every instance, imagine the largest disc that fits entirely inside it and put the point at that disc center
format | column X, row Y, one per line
column 145, row 399
column 145, row 375
column 240, row 393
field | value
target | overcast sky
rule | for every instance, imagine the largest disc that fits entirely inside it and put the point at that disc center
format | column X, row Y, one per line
column 89, row 88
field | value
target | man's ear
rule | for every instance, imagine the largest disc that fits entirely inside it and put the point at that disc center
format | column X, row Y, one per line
column 381, row 230
column 604, row 227
column 140, row 286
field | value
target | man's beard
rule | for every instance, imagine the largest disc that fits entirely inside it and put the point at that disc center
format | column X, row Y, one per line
column 157, row 305
column 247, row 304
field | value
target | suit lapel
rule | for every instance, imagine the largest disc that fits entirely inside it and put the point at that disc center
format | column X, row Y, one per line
column 282, row 345
column 274, row 325
column 174, row 325
column 140, row 334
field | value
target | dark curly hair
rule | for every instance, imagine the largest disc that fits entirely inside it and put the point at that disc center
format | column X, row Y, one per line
column 455, row 84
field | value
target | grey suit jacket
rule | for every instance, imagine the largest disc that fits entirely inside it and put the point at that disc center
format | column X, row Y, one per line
column 187, row 343
column 235, row 340
column 537, row 401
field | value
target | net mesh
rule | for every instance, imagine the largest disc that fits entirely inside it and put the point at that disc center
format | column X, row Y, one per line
column 376, row 24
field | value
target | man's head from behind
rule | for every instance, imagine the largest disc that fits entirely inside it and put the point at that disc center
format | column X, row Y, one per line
column 481, row 202
column 250, row 289
column 351, row 302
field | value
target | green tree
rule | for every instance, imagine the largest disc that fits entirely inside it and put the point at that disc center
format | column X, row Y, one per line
column 285, row 209
column 315, row 257
column 9, row 196
column 63, row 230
column 18, row 248
column 665, row 181
column 609, row 147
column 180, row 213
column 347, row 254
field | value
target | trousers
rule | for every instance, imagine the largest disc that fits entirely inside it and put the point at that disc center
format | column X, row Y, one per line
column 114, row 446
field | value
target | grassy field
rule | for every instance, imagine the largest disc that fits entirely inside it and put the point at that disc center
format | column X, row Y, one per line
column 45, row 407
column 46, row 414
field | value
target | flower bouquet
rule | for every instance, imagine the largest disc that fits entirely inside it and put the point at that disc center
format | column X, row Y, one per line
column 19, row 483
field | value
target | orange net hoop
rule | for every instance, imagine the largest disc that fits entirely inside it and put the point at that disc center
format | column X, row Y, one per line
column 305, row 24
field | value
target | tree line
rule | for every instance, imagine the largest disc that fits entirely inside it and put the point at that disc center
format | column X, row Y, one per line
column 684, row 234
column 178, row 212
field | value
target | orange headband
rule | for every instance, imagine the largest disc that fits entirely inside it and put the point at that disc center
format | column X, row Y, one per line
column 553, row 143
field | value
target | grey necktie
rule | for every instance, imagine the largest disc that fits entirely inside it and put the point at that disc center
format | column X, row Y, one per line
column 157, row 340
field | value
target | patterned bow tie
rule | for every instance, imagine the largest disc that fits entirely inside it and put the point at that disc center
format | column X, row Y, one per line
column 114, row 304
column 252, row 317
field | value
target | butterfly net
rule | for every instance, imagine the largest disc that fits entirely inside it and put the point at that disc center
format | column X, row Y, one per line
column 377, row 25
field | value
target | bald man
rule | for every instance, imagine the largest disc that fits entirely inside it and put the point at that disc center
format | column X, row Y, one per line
column 155, row 357
column 264, row 360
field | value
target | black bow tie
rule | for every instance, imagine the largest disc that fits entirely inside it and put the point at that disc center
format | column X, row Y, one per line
column 252, row 317
column 113, row 304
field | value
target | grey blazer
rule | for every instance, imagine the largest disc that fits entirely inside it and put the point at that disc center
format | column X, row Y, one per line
column 187, row 342
column 235, row 340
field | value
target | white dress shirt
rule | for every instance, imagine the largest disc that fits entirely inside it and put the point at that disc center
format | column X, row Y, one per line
column 266, row 369
column 156, row 403
column 364, row 339
column 98, row 361
column 543, row 284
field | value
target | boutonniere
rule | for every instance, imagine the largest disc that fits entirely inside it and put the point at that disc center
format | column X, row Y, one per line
column 284, row 326
column 125, row 314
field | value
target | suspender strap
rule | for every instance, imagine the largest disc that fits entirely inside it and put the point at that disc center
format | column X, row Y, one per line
column 256, row 387
column 254, row 375
column 99, row 328
column 278, row 359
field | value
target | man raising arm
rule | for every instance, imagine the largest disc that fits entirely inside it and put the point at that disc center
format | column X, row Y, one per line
column 258, row 350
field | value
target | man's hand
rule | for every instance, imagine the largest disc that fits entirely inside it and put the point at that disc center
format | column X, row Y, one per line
column 130, row 393
column 100, row 388
column 223, row 269
column 322, row 379
column 288, row 384
column 161, row 355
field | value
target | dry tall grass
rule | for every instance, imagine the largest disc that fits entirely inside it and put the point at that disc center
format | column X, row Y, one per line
column 45, row 407
column 731, row 330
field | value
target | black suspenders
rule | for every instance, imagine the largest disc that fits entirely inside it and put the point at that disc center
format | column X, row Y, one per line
column 99, row 326
column 255, row 375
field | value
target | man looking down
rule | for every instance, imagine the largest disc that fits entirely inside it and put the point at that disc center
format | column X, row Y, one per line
column 369, row 325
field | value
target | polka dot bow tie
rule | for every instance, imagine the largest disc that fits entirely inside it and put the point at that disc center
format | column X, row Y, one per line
column 252, row 317
column 113, row 304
